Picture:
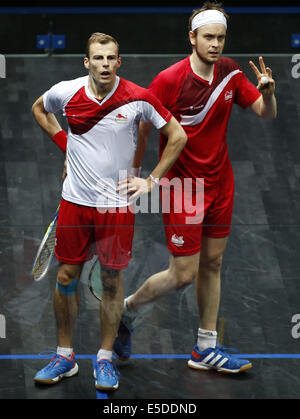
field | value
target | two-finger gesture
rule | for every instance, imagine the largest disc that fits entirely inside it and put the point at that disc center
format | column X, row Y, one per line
column 266, row 83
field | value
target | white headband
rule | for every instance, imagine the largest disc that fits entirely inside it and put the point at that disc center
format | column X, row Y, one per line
column 208, row 16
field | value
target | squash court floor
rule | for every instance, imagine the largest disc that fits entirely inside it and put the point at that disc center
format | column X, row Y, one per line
column 261, row 268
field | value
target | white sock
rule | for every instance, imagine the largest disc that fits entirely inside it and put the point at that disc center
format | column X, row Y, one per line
column 206, row 339
column 128, row 312
column 126, row 305
column 103, row 354
column 66, row 352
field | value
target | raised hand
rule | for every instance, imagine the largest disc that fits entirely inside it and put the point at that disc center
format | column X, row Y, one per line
column 265, row 72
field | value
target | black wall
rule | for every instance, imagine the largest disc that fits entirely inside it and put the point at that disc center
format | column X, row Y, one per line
column 149, row 33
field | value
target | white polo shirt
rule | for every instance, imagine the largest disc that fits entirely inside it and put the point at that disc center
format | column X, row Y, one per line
column 102, row 136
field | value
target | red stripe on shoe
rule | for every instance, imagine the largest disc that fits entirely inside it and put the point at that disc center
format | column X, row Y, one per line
column 195, row 355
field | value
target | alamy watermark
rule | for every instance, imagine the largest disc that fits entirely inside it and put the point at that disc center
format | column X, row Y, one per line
column 2, row 67
column 178, row 196
column 296, row 66
column 2, row 326
column 296, row 327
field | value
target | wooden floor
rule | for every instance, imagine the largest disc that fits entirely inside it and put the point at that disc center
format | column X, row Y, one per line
column 261, row 269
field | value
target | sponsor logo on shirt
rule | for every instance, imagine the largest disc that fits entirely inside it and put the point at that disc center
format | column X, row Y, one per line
column 178, row 241
column 121, row 119
column 193, row 108
column 228, row 95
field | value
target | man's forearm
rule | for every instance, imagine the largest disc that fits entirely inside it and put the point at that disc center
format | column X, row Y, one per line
column 268, row 107
column 176, row 143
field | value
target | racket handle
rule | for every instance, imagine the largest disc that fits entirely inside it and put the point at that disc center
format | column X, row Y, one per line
column 60, row 139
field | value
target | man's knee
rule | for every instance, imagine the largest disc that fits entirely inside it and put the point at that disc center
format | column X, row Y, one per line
column 183, row 270
column 211, row 255
column 110, row 281
column 184, row 277
column 212, row 264
column 66, row 285
column 67, row 280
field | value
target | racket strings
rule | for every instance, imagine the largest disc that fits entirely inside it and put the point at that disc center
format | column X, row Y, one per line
column 95, row 283
column 45, row 257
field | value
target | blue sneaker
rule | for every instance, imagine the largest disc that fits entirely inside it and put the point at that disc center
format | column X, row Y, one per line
column 106, row 375
column 123, row 343
column 218, row 359
column 58, row 368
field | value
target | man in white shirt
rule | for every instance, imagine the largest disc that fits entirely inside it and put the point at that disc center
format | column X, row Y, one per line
column 103, row 113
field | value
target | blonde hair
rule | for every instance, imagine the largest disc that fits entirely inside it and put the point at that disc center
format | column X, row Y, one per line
column 101, row 38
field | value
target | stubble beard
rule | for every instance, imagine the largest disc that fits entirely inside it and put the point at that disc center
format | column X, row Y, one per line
column 206, row 60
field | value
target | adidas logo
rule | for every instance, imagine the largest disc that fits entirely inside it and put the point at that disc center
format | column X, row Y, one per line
column 178, row 241
column 215, row 359
column 212, row 360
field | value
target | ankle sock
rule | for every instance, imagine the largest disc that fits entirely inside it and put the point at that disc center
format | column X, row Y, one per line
column 206, row 339
column 103, row 354
column 126, row 305
column 65, row 352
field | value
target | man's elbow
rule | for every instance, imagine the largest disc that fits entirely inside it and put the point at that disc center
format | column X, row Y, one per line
column 269, row 117
column 38, row 106
column 33, row 108
column 274, row 116
column 175, row 133
column 182, row 138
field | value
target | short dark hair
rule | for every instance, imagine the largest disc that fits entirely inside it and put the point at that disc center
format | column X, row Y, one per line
column 208, row 5
column 101, row 38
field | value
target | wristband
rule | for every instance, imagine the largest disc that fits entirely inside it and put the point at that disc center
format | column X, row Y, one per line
column 154, row 179
column 60, row 139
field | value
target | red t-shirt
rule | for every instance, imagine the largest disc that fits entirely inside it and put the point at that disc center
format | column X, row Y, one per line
column 203, row 109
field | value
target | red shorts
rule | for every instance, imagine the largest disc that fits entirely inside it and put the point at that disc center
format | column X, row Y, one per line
column 84, row 231
column 184, row 229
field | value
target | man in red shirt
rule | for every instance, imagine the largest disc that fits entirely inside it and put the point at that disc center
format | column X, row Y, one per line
column 200, row 92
